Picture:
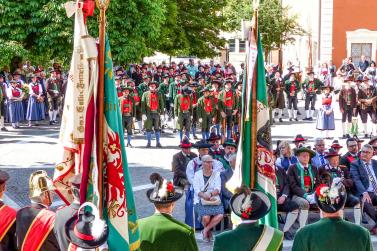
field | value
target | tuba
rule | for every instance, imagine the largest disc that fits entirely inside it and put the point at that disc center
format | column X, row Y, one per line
column 39, row 182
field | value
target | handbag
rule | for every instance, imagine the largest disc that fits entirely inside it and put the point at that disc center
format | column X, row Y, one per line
column 216, row 202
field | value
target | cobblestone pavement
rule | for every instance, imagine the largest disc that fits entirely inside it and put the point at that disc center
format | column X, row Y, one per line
column 28, row 149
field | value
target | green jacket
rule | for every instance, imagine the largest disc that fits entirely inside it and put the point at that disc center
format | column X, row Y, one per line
column 235, row 105
column 333, row 234
column 145, row 103
column 317, row 85
column 242, row 238
column 173, row 90
column 161, row 232
column 143, row 87
column 177, row 105
column 288, row 86
column 163, row 90
column 200, row 111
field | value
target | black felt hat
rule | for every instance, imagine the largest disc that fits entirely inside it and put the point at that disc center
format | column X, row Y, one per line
column 86, row 230
column 332, row 197
column 250, row 204
column 202, row 144
column 331, row 153
column 213, row 136
column 230, row 142
column 305, row 149
column 164, row 191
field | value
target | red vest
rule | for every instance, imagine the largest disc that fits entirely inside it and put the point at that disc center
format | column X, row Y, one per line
column 215, row 96
column 194, row 98
column 292, row 88
column 136, row 96
column 185, row 103
column 228, row 99
column 119, row 92
column 127, row 105
column 208, row 105
column 35, row 88
column 327, row 100
column 16, row 93
column 311, row 86
column 153, row 101
column 7, row 219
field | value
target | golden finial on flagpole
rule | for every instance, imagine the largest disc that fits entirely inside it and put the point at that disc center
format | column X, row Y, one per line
column 256, row 5
column 102, row 4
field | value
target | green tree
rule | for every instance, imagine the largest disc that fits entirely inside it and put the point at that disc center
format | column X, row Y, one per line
column 276, row 26
column 192, row 27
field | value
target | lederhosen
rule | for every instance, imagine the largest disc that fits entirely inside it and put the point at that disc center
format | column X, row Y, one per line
column 137, row 104
column 228, row 108
column 278, row 95
column 348, row 109
column 184, row 116
column 7, row 228
column 53, row 94
column 206, row 113
column 310, row 96
column 35, row 233
column 127, row 114
column 292, row 95
column 154, row 111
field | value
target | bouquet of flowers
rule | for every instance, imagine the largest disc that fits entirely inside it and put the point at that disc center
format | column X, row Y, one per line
column 25, row 90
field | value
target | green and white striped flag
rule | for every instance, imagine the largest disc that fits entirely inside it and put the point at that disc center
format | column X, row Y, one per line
column 255, row 164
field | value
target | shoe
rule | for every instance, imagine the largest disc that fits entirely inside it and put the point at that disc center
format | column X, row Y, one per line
column 55, row 121
column 290, row 119
column 344, row 136
column 305, row 118
column 280, row 120
column 175, row 131
column 310, row 119
column 129, row 145
column 298, row 113
column 159, row 145
column 148, row 145
column 296, row 119
column 348, row 136
column 36, row 124
column 366, row 136
column 51, row 122
column 17, row 127
column 276, row 113
column 3, row 129
column 162, row 131
column 195, row 137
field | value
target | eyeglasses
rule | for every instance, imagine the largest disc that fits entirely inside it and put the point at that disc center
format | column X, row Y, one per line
column 366, row 152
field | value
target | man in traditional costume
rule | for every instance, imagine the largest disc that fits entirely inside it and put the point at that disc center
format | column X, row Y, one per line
column 292, row 87
column 367, row 97
column 3, row 103
column 311, row 86
column 205, row 112
column 54, row 95
column 347, row 106
column 228, row 107
column 250, row 206
column 352, row 153
column 332, row 232
column 152, row 105
column 35, row 233
column 183, row 111
column 7, row 219
column 128, row 109
column 277, row 85
column 161, row 231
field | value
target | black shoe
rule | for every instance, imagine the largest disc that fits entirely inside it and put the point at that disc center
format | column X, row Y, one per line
column 344, row 136
column 310, row 119
column 298, row 113
column 51, row 122
column 162, row 131
column 148, row 145
column 276, row 113
column 305, row 118
column 280, row 120
column 348, row 136
column 195, row 137
column 175, row 131
column 290, row 119
column 296, row 119
column 366, row 136
column 55, row 122
column 129, row 145
column 17, row 127
column 3, row 129
column 159, row 145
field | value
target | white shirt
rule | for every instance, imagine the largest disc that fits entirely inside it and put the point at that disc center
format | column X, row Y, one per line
column 196, row 163
column 199, row 184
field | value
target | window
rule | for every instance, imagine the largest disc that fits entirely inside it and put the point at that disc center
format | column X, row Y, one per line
column 358, row 49
column 232, row 45
column 242, row 46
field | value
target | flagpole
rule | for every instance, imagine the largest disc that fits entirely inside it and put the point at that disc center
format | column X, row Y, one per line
column 102, row 6
column 253, row 161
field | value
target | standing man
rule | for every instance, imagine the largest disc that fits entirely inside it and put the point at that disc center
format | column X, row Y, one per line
column 364, row 173
column 152, row 105
column 205, row 112
column 278, row 95
column 161, row 231
column 363, row 64
column 292, row 87
column 302, row 178
column 195, row 97
column 3, row 102
column 367, row 97
column 175, row 88
column 35, row 232
column 7, row 219
column 228, row 107
column 347, row 105
column 183, row 111
column 332, row 232
column 250, row 206
column 128, row 109
column 54, row 93
column 311, row 86
column 67, row 212
column 179, row 163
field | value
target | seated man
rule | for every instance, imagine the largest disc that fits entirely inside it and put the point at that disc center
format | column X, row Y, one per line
column 319, row 158
column 250, row 206
column 161, row 231
column 363, row 174
column 332, row 232
column 334, row 170
column 351, row 155
column 284, row 201
column 302, row 178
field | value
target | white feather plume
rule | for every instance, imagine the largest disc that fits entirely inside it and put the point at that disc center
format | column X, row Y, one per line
column 163, row 193
column 98, row 227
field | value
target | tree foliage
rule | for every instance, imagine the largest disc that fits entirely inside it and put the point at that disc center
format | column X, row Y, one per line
column 276, row 26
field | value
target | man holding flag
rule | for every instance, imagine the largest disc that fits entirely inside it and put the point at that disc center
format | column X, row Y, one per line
column 255, row 163
column 92, row 134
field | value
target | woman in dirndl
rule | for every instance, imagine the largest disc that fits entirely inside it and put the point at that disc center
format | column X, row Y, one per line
column 207, row 188
column 16, row 110
column 325, row 117
column 36, row 106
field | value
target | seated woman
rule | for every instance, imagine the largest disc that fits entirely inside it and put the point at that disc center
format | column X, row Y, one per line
column 207, row 189
column 286, row 157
